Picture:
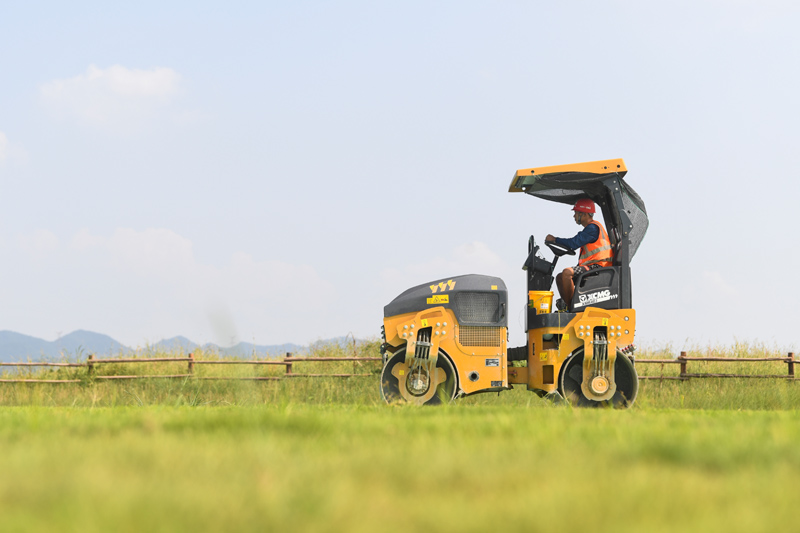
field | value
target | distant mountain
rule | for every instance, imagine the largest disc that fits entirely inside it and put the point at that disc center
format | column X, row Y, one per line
column 247, row 349
column 242, row 349
column 175, row 343
column 78, row 344
column 89, row 342
column 17, row 347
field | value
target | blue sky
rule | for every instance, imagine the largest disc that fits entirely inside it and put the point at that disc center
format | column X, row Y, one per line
column 278, row 171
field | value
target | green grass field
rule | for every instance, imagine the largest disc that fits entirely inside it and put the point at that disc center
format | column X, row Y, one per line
column 327, row 455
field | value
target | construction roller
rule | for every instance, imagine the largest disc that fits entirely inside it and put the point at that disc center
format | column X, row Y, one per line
column 448, row 338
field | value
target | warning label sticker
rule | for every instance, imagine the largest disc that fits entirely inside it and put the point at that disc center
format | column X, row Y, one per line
column 439, row 299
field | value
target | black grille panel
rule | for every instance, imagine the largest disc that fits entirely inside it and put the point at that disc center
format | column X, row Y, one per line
column 477, row 307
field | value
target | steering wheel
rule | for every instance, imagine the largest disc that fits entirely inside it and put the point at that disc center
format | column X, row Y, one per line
column 558, row 249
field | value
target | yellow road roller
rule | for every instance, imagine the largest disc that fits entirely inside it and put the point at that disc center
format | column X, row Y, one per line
column 448, row 338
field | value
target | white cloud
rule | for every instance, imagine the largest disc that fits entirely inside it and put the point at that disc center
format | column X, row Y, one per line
column 717, row 285
column 475, row 257
column 11, row 151
column 477, row 253
column 154, row 251
column 752, row 16
column 112, row 96
column 158, row 253
column 153, row 286
column 39, row 244
column 83, row 240
column 470, row 258
column 3, row 147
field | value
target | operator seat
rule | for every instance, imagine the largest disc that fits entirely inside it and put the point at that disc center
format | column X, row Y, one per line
column 599, row 287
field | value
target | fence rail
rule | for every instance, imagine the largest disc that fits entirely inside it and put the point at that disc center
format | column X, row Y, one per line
column 40, row 381
column 288, row 362
column 42, row 364
column 684, row 360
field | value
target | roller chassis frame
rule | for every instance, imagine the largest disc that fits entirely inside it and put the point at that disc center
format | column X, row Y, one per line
column 553, row 340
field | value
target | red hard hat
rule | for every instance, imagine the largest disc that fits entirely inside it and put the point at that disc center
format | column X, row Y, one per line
column 584, row 206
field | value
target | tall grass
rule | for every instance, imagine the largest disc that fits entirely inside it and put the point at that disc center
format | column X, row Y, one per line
column 92, row 392
column 719, row 393
column 696, row 394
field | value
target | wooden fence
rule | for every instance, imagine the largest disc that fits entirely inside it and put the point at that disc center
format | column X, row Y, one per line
column 287, row 362
column 684, row 360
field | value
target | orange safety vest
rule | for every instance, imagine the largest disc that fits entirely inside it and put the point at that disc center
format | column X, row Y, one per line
column 597, row 252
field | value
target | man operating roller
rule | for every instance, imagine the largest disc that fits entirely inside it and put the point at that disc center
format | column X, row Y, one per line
column 595, row 250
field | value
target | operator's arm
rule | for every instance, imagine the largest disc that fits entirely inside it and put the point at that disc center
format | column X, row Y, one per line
column 588, row 234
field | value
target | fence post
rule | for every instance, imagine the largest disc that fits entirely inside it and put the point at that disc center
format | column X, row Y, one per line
column 355, row 355
column 791, row 365
column 89, row 365
column 191, row 364
column 683, row 361
column 289, row 364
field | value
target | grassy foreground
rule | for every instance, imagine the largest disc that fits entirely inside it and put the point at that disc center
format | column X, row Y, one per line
column 311, row 454
column 350, row 468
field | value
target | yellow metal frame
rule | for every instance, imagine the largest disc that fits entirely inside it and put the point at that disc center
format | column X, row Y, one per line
column 401, row 330
column 546, row 357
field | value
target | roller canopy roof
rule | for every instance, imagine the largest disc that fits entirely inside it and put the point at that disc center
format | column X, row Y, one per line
column 567, row 184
